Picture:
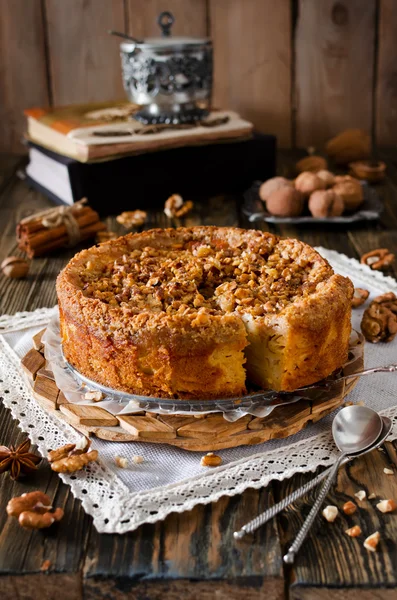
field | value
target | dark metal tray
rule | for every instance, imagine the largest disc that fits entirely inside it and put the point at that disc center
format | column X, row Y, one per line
column 254, row 209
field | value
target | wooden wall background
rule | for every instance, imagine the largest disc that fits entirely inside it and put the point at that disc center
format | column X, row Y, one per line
column 301, row 69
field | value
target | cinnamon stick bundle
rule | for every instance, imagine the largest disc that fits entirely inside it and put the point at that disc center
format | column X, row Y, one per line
column 57, row 227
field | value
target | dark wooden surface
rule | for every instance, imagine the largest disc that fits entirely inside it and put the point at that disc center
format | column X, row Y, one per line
column 193, row 555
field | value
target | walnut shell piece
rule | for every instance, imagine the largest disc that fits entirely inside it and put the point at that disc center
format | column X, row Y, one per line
column 379, row 322
column 285, row 202
column 312, row 163
column 326, row 176
column 308, row 182
column 272, row 185
column 348, row 146
column 15, row 267
column 325, row 203
column 377, row 259
column 365, row 169
column 359, row 297
column 350, row 190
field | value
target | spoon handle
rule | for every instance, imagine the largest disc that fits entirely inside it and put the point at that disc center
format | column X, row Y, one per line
column 271, row 512
column 387, row 369
column 125, row 36
column 300, row 538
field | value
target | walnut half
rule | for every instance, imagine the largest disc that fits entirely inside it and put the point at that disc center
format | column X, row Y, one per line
column 379, row 322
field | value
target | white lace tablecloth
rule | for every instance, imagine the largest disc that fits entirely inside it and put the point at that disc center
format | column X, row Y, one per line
column 171, row 479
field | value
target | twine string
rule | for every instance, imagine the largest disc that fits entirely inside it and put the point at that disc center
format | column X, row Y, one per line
column 61, row 215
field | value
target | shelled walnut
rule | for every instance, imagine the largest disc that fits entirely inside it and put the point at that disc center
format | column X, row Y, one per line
column 359, row 297
column 70, row 458
column 379, row 322
column 377, row 259
column 176, row 207
column 14, row 267
column 34, row 510
column 132, row 218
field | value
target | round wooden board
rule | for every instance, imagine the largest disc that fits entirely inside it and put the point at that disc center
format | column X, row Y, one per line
column 204, row 433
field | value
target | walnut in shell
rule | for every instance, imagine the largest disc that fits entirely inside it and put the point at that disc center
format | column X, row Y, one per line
column 326, row 176
column 325, row 203
column 350, row 191
column 285, row 202
column 349, row 145
column 272, row 185
column 307, row 183
column 311, row 163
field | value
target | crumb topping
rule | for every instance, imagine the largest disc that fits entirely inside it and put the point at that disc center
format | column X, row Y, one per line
column 254, row 272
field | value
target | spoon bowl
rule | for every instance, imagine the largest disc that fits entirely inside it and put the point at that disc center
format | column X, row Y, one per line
column 356, row 428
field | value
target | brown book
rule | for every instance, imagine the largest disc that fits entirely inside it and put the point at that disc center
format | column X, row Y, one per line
column 103, row 131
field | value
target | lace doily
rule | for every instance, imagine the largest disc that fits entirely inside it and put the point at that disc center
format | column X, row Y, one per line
column 170, row 479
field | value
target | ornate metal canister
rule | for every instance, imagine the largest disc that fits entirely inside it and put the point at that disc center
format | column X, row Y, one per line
column 170, row 77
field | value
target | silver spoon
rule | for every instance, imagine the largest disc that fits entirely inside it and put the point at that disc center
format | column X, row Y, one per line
column 354, row 428
column 125, row 36
column 274, row 510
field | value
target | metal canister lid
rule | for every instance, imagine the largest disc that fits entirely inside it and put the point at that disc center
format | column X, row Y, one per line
column 165, row 20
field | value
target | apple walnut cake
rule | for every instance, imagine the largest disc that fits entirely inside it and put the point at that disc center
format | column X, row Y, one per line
column 196, row 313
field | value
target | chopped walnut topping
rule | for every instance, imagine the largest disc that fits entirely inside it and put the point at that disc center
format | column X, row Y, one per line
column 211, row 460
column 361, row 495
column 137, row 459
column 330, row 513
column 354, row 531
column 349, row 508
column 386, row 506
column 201, row 278
column 388, row 471
column 372, row 496
column 121, row 462
column 372, row 541
column 133, row 218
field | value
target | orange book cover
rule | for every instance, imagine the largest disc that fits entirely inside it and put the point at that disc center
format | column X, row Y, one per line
column 66, row 118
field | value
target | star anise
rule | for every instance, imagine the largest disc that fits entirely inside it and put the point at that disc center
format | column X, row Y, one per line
column 19, row 461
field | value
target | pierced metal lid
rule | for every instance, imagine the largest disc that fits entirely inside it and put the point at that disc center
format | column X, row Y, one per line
column 165, row 20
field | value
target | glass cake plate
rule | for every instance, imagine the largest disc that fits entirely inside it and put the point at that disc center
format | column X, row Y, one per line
column 257, row 402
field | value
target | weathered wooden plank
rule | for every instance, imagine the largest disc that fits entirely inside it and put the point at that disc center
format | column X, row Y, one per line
column 386, row 85
column 327, row 544
column 22, row 68
column 23, row 551
column 84, row 59
column 252, row 62
column 334, row 49
column 191, row 555
column 190, row 17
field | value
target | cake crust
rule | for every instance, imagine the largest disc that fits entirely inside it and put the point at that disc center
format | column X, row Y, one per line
column 170, row 312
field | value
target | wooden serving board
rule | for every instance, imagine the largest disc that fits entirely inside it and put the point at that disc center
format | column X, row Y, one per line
column 196, row 433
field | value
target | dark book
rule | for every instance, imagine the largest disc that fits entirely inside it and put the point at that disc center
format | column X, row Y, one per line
column 147, row 180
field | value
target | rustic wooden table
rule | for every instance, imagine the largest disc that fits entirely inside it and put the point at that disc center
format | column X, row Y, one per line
column 193, row 555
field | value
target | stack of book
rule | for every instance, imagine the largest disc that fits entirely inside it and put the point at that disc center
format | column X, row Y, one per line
column 100, row 152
